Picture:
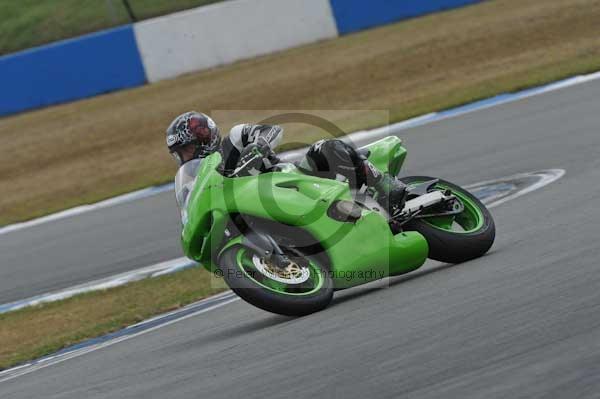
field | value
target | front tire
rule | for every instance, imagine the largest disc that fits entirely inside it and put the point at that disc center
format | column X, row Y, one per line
column 249, row 276
column 466, row 236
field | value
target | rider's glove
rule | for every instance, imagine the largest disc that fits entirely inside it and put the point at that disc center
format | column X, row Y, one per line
column 252, row 160
column 269, row 155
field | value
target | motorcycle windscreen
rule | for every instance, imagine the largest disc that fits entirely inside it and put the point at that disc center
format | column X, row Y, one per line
column 184, row 184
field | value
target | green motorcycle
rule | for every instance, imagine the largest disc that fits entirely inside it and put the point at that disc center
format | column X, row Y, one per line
column 284, row 241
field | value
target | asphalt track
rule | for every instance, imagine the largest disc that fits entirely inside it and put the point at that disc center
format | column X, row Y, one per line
column 90, row 246
column 523, row 321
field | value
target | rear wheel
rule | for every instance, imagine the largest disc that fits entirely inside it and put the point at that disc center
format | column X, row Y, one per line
column 456, row 238
column 304, row 286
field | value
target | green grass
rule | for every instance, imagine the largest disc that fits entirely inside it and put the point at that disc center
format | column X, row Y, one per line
column 53, row 326
column 29, row 23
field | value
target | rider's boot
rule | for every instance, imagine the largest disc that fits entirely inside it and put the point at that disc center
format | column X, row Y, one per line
column 391, row 192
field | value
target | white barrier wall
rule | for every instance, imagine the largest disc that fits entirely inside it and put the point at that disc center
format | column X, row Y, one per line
column 226, row 32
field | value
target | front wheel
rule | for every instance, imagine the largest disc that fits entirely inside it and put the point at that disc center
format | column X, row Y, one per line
column 457, row 238
column 304, row 286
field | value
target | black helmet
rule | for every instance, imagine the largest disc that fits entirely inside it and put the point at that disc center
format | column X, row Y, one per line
column 192, row 128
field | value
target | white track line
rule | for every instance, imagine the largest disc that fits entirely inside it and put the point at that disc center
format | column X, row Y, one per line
column 155, row 270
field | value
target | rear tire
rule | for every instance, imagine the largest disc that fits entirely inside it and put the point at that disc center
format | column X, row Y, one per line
column 247, row 286
column 450, row 246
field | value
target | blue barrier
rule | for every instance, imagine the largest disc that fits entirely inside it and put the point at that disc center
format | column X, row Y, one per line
column 355, row 15
column 70, row 70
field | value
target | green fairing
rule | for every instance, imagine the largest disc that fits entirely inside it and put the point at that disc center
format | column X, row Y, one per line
column 387, row 154
column 358, row 252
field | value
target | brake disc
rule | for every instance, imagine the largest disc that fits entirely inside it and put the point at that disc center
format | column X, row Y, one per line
column 292, row 274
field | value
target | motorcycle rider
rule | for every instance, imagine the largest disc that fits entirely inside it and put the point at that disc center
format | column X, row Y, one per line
column 249, row 150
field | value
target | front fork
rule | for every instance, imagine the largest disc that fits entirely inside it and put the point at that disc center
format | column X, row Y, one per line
column 263, row 244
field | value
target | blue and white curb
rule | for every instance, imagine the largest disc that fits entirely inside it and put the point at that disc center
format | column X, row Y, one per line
column 159, row 269
column 497, row 100
column 121, row 335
